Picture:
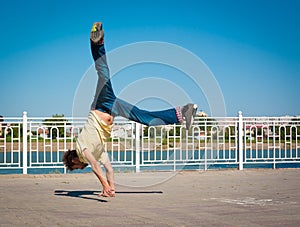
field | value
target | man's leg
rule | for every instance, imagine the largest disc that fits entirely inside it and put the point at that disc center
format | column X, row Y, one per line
column 150, row 118
column 106, row 101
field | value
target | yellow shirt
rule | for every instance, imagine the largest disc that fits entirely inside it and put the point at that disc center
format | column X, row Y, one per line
column 93, row 137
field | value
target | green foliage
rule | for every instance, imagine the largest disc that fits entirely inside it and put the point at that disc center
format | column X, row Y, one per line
column 13, row 131
column 288, row 132
column 177, row 131
column 229, row 131
column 56, row 125
column 205, row 123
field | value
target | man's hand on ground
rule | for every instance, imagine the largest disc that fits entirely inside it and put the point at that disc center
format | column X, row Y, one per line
column 107, row 192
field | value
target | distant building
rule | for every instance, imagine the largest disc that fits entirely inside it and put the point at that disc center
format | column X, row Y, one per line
column 43, row 133
column 199, row 135
column 201, row 114
column 122, row 131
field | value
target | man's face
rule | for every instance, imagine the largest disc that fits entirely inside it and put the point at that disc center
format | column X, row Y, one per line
column 78, row 164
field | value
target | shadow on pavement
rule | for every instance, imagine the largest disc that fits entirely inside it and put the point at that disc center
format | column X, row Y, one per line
column 139, row 192
column 80, row 194
column 86, row 194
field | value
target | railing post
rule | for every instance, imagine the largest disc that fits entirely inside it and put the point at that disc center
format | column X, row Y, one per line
column 24, row 142
column 137, row 147
column 240, row 140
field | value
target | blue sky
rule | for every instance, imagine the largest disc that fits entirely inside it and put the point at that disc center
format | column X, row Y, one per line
column 251, row 47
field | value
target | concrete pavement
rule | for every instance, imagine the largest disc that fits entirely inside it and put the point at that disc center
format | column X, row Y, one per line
column 258, row 197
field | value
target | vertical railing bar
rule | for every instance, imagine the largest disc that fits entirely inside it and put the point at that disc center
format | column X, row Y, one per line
column 241, row 152
column 137, row 147
column 24, row 142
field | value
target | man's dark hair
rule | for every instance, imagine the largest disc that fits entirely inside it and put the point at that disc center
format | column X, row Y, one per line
column 68, row 157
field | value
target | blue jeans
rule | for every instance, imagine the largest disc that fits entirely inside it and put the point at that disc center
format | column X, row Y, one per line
column 106, row 101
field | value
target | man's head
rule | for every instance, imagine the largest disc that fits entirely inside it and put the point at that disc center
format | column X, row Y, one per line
column 71, row 160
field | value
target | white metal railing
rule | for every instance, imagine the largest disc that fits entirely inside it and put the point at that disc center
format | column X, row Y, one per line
column 272, row 140
column 30, row 143
column 11, row 143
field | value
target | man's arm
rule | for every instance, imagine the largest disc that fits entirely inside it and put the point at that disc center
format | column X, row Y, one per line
column 110, row 175
column 107, row 189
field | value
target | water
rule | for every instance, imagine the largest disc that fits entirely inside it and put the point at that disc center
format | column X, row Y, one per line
column 153, row 161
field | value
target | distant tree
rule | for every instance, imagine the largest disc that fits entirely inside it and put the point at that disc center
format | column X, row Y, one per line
column 296, row 127
column 177, row 131
column 206, row 123
column 290, row 130
column 56, row 125
column 152, row 131
column 13, row 131
column 229, row 131
column 1, row 129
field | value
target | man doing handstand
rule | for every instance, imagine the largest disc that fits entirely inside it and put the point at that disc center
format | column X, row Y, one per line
column 90, row 144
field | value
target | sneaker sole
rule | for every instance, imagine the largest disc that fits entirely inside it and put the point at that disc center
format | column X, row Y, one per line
column 95, row 35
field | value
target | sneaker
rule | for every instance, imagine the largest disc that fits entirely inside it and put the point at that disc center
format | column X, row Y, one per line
column 188, row 114
column 97, row 33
